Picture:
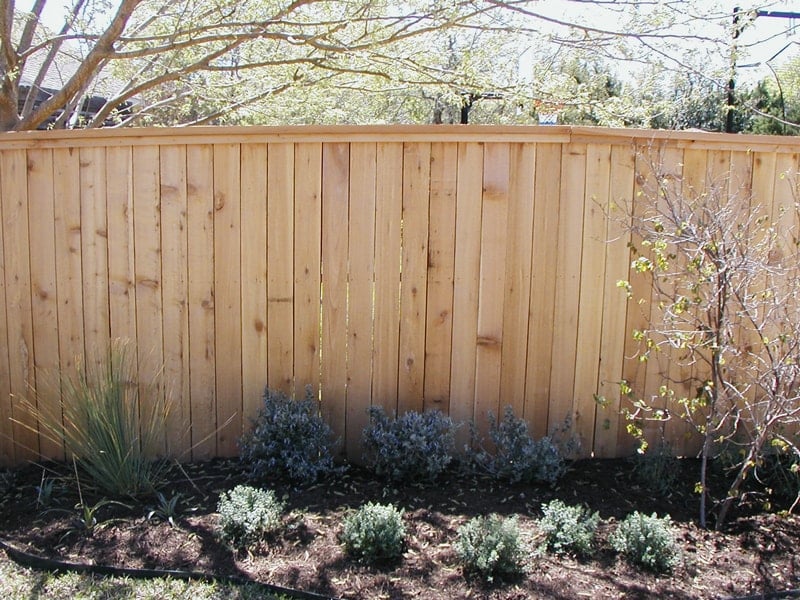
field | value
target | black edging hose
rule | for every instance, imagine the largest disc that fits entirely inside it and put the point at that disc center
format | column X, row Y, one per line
column 771, row 596
column 47, row 564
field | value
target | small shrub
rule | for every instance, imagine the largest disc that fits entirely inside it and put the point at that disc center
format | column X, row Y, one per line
column 374, row 532
column 113, row 422
column 657, row 469
column 569, row 529
column 490, row 547
column 517, row 457
column 646, row 541
column 415, row 446
column 7, row 485
column 289, row 439
column 248, row 515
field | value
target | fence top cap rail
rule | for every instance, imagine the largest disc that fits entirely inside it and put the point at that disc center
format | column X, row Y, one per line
column 131, row 136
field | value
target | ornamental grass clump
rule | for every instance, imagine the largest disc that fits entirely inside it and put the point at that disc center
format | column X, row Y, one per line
column 646, row 541
column 375, row 532
column 289, row 440
column 569, row 529
column 517, row 457
column 111, row 421
column 248, row 515
column 490, row 547
column 413, row 447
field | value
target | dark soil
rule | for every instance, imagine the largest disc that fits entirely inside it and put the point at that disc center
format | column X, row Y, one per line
column 756, row 554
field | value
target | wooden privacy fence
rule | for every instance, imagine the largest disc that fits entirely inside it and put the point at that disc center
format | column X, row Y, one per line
column 453, row 268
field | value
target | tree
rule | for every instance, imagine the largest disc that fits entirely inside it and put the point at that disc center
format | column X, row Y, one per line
column 206, row 58
column 247, row 61
column 723, row 272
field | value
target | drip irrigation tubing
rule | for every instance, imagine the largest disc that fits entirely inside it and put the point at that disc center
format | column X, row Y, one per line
column 40, row 563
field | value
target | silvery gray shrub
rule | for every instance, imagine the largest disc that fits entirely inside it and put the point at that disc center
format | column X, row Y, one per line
column 415, row 446
column 289, row 440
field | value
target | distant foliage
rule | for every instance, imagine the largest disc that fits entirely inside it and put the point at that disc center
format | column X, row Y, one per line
column 647, row 541
column 490, row 547
column 374, row 532
column 569, row 529
column 289, row 439
column 517, row 457
column 415, row 446
column 248, row 515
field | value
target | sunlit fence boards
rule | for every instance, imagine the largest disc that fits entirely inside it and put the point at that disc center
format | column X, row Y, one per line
column 454, row 268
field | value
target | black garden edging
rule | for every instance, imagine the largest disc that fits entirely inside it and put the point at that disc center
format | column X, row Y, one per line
column 47, row 564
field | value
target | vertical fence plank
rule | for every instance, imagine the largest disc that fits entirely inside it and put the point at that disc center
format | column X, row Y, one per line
column 202, row 332
column 175, row 309
column 413, row 287
column 614, row 326
column 256, row 333
column 335, row 209
column 567, row 284
column 69, row 276
column 94, row 238
column 361, row 258
column 121, row 249
column 518, row 261
column 280, row 266
column 465, row 284
column 493, row 235
column 149, row 304
column 44, row 302
column 388, row 253
column 441, row 263
column 307, row 267
column 547, row 185
column 228, row 295
column 638, row 307
column 6, row 411
column 592, row 274
column 14, row 198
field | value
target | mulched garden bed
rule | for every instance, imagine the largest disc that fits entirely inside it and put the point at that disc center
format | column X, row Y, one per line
column 757, row 553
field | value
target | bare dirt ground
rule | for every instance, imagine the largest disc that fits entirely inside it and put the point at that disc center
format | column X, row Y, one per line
column 756, row 554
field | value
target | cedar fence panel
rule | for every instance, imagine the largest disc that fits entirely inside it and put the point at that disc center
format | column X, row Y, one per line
column 455, row 268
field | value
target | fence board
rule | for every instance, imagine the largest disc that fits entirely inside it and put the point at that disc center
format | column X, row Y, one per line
column 441, row 263
column 335, row 238
column 69, row 276
column 280, row 266
column 614, row 326
column 201, row 300
column 465, row 284
column 16, row 243
column 592, row 276
column 413, row 287
column 518, row 263
column 361, row 258
column 388, row 256
column 255, row 321
column 149, row 304
column 493, row 238
column 567, row 284
column 121, row 267
column 547, row 189
column 413, row 268
column 307, row 227
column 228, row 295
column 6, row 414
column 175, row 310
column 44, row 301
